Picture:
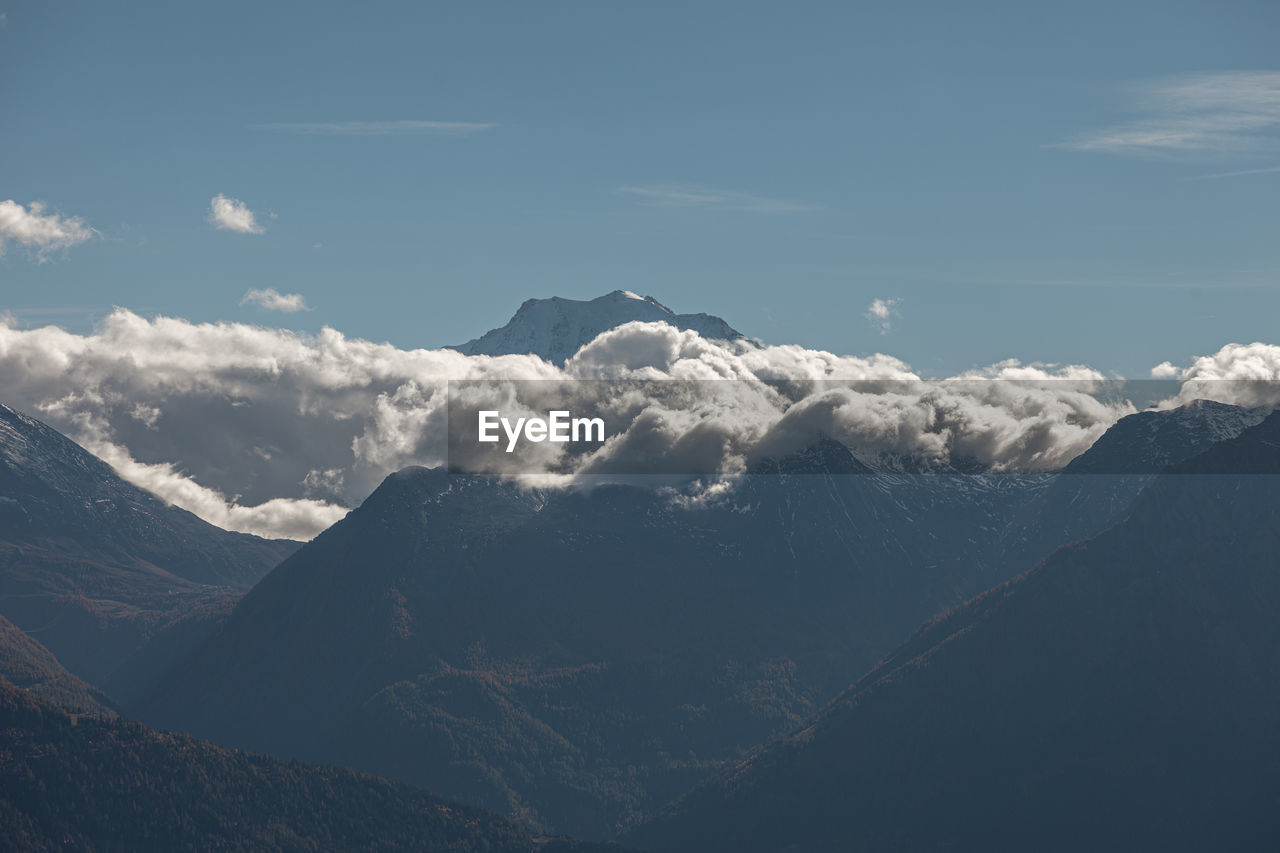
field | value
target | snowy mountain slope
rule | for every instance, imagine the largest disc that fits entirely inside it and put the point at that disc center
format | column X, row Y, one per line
column 1144, row 443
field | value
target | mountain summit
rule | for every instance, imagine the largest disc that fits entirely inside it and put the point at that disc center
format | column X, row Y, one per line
column 556, row 328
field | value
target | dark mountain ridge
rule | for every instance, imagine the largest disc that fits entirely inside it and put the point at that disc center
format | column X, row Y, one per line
column 1147, row 442
column 575, row 659
column 1099, row 485
column 58, row 496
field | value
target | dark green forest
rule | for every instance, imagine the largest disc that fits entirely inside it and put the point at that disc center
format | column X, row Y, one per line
column 91, row 784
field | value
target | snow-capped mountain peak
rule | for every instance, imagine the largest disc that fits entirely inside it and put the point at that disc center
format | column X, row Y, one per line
column 556, row 328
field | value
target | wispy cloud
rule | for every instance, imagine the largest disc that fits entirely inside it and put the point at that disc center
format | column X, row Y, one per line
column 379, row 128
column 43, row 232
column 271, row 299
column 689, row 196
column 1205, row 113
column 230, row 214
column 1240, row 173
column 881, row 313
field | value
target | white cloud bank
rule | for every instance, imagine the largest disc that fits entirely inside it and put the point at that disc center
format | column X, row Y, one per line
column 42, row 232
column 271, row 299
column 229, row 214
column 275, row 432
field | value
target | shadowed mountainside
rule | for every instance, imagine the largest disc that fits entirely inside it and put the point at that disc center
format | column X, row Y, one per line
column 98, row 567
column 576, row 660
column 1125, row 694
column 27, row 664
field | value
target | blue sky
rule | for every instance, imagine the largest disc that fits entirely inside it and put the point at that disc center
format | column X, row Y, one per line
column 1084, row 182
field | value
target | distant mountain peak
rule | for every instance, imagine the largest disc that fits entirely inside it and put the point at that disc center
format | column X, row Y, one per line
column 556, row 328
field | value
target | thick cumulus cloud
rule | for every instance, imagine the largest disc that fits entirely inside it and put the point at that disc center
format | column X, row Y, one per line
column 277, row 433
column 1240, row 374
column 1033, row 418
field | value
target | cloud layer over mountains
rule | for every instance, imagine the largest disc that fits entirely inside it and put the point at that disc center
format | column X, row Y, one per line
column 274, row 432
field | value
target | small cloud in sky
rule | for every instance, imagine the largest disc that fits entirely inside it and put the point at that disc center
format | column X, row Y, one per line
column 881, row 313
column 379, row 128
column 690, row 196
column 1196, row 113
column 271, row 299
column 229, row 214
column 43, row 232
column 327, row 483
column 1165, row 370
column 145, row 414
